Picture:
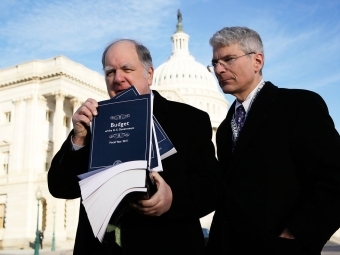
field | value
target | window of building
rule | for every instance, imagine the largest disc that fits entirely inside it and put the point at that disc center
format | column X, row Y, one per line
column 5, row 160
column 2, row 215
column 48, row 160
column 7, row 117
column 49, row 116
column 66, row 121
column 5, row 168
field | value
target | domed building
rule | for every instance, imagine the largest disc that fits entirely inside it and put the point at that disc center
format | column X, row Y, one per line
column 185, row 80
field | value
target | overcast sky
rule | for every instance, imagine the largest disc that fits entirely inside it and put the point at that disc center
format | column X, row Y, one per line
column 301, row 37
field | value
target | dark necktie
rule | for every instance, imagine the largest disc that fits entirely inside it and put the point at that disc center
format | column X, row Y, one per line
column 237, row 123
column 240, row 118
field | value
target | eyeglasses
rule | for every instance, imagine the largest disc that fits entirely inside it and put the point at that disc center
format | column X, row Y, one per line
column 225, row 62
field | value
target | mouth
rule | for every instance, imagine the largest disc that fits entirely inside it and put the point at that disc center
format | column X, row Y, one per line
column 225, row 80
column 119, row 91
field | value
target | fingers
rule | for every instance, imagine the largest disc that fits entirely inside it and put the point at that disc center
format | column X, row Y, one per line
column 150, row 210
column 287, row 234
column 87, row 110
column 159, row 203
column 82, row 118
column 91, row 105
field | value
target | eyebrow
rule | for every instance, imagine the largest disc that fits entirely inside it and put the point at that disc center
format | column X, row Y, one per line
column 109, row 68
column 214, row 60
column 127, row 65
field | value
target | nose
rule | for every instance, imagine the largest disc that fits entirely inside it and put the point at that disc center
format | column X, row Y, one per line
column 119, row 76
column 219, row 68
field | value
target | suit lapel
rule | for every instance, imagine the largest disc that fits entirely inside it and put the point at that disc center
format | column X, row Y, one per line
column 160, row 108
column 224, row 137
column 257, row 116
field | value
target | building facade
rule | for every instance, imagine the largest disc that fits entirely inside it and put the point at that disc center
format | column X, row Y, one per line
column 37, row 101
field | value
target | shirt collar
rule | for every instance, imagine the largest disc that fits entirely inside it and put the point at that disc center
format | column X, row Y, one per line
column 246, row 103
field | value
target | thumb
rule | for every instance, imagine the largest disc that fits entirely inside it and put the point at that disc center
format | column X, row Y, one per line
column 157, row 178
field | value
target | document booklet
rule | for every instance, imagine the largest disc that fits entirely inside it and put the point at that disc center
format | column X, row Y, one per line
column 121, row 126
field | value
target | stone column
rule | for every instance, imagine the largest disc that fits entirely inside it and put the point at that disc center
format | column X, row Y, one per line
column 17, row 153
column 29, row 134
column 56, row 221
column 60, row 232
column 58, row 128
column 72, row 211
column 32, row 154
column 41, row 133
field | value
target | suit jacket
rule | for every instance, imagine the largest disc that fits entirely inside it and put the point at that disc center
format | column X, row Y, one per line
column 190, row 173
column 284, row 173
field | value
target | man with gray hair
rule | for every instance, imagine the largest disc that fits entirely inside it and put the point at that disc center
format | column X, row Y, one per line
column 279, row 153
column 168, row 222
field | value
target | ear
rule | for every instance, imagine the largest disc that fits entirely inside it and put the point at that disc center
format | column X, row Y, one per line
column 150, row 75
column 259, row 61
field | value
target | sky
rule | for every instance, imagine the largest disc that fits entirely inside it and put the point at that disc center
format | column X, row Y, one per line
column 301, row 37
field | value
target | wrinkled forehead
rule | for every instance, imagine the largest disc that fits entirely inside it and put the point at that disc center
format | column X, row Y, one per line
column 122, row 51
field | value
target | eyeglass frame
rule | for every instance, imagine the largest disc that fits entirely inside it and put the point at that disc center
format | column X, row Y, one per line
column 225, row 63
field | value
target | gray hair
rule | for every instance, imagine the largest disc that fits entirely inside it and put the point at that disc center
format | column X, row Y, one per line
column 247, row 39
column 142, row 52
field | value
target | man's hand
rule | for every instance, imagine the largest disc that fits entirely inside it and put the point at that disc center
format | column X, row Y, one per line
column 159, row 203
column 81, row 120
column 287, row 234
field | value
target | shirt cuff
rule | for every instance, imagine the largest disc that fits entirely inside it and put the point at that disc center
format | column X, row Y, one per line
column 76, row 147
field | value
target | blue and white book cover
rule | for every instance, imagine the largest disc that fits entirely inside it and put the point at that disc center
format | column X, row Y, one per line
column 165, row 146
column 156, row 163
column 121, row 132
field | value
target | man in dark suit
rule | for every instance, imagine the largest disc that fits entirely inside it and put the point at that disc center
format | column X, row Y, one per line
column 167, row 223
column 279, row 152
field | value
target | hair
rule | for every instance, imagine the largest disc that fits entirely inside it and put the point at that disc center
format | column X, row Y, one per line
column 142, row 52
column 247, row 39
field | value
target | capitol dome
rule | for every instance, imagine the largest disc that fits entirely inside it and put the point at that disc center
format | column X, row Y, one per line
column 185, row 80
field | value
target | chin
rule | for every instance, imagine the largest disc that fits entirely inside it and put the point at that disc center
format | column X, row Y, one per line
column 227, row 89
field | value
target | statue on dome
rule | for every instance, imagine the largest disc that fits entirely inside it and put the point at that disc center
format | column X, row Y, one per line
column 179, row 16
column 179, row 21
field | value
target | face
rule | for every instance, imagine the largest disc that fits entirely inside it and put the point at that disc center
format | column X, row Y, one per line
column 123, row 69
column 241, row 75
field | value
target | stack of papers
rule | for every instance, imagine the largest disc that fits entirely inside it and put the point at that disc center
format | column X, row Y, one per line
column 127, row 143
